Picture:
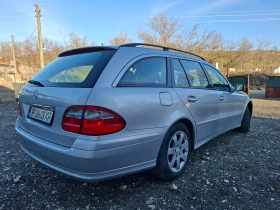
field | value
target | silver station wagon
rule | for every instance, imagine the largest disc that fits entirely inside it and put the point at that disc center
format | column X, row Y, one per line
column 97, row 113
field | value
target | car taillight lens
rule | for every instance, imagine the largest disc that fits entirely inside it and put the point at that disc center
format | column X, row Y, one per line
column 92, row 120
column 19, row 110
column 72, row 119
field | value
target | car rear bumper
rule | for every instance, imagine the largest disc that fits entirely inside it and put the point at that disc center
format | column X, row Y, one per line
column 91, row 165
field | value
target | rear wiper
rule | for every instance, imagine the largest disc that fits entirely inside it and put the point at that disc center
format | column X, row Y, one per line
column 35, row 82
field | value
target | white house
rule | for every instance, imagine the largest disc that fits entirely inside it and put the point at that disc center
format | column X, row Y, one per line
column 277, row 71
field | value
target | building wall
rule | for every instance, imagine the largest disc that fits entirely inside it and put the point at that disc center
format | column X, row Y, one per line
column 7, row 93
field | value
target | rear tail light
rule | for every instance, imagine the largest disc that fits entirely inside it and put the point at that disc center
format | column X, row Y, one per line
column 92, row 120
column 19, row 110
column 72, row 119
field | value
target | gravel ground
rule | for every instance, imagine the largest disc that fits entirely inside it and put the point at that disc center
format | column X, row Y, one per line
column 234, row 171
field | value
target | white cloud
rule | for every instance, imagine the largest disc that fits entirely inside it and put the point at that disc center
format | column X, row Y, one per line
column 163, row 6
column 213, row 6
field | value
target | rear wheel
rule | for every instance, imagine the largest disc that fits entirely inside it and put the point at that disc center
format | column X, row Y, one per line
column 245, row 123
column 174, row 153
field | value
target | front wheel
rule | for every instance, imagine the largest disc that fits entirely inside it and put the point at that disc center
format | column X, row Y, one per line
column 245, row 123
column 174, row 153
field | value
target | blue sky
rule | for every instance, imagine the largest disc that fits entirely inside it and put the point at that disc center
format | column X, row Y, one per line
column 103, row 19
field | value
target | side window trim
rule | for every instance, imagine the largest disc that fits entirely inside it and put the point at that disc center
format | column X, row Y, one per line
column 169, row 71
column 126, row 67
column 172, row 73
column 208, row 77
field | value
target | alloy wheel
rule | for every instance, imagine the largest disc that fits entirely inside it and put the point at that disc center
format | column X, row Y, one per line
column 178, row 149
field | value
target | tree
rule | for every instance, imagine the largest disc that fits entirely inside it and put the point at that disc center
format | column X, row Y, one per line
column 163, row 30
column 235, row 53
column 266, row 55
column 73, row 40
column 122, row 38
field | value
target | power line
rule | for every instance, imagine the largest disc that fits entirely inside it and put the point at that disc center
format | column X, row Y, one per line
column 239, row 15
column 13, row 27
column 235, row 21
column 188, row 16
column 194, row 21
column 4, row 37
column 18, row 35
column 31, row 34
column 16, row 19
column 277, row 10
column 15, row 13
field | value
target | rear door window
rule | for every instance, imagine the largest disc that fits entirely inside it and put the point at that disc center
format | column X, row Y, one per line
column 146, row 72
column 78, row 70
column 195, row 74
column 180, row 77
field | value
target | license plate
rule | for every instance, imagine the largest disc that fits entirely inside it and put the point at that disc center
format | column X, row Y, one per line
column 41, row 114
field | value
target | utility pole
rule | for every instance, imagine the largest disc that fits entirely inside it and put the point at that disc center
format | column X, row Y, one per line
column 228, row 72
column 38, row 15
column 14, row 57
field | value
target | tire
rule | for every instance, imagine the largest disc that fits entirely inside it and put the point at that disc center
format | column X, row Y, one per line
column 245, row 123
column 176, row 145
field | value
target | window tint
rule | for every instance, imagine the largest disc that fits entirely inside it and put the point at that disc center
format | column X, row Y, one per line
column 79, row 70
column 219, row 82
column 75, row 74
column 180, row 78
column 147, row 71
column 195, row 74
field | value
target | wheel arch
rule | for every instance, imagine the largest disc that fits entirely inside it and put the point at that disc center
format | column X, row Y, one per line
column 250, row 107
column 191, row 128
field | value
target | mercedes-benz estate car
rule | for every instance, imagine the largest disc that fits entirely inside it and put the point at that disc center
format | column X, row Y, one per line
column 97, row 113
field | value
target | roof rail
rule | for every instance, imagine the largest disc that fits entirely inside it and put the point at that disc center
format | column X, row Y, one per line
column 163, row 48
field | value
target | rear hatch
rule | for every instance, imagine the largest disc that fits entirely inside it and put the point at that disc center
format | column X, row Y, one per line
column 65, row 82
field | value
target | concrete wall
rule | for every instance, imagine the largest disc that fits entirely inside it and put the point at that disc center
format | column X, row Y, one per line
column 17, row 88
column 4, row 69
column 7, row 93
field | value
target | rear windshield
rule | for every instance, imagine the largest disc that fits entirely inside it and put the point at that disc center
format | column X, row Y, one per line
column 79, row 70
column 273, row 82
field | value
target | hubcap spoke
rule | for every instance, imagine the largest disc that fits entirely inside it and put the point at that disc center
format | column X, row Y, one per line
column 184, row 146
column 175, row 140
column 183, row 157
column 182, row 135
column 172, row 161
column 178, row 163
column 171, row 151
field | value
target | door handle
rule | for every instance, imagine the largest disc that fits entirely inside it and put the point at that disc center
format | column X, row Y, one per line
column 222, row 98
column 192, row 99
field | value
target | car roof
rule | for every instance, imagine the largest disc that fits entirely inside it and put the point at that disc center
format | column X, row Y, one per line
column 87, row 50
column 165, row 50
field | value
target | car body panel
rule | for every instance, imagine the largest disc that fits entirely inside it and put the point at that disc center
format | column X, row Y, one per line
column 204, row 111
column 231, row 108
column 149, row 112
column 88, row 165
column 58, row 99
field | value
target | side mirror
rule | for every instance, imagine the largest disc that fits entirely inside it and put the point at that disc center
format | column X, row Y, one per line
column 240, row 87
